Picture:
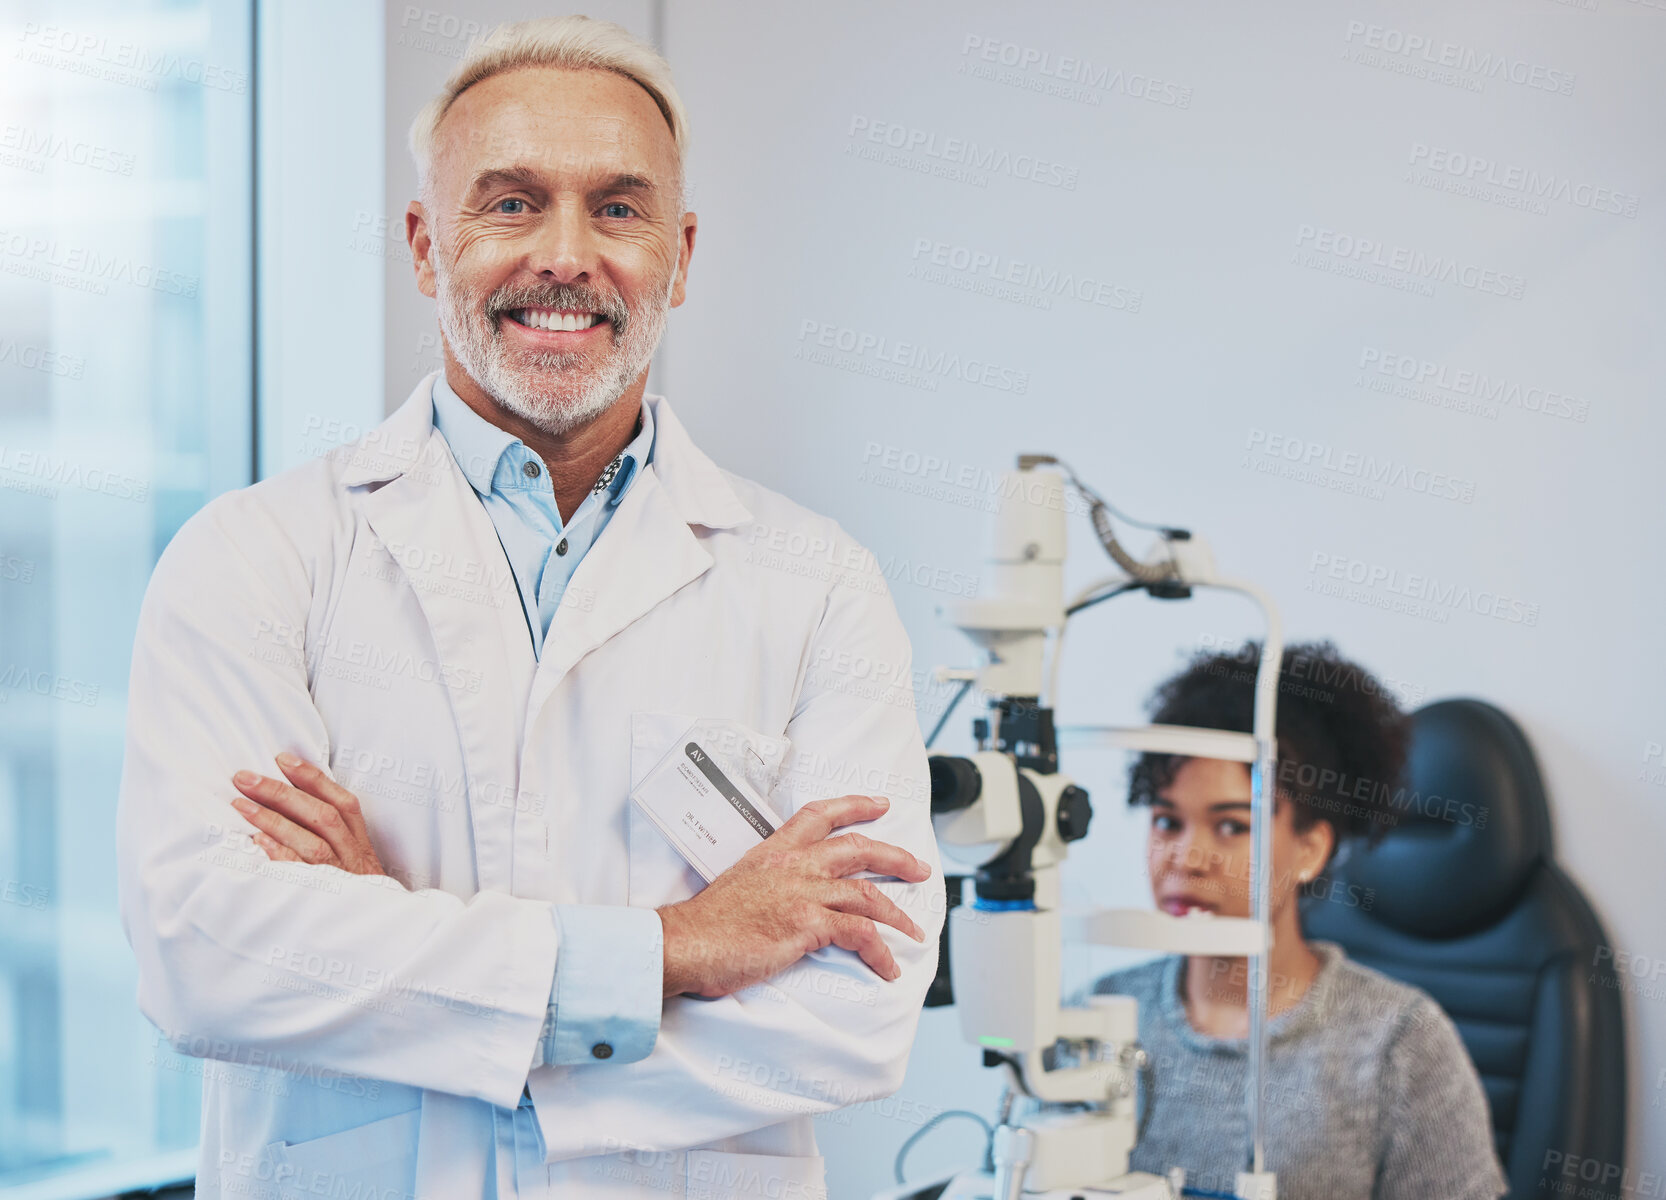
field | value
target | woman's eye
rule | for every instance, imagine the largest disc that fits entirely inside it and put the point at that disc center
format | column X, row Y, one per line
column 1233, row 828
column 618, row 204
column 513, row 206
column 1164, row 824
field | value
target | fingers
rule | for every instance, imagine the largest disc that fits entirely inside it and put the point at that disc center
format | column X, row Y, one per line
column 310, row 814
column 276, row 851
column 862, row 898
column 815, row 820
column 306, row 845
column 316, row 782
column 852, row 852
column 862, row 937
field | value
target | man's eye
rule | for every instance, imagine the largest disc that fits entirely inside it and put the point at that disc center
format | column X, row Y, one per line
column 618, row 204
column 1233, row 828
column 1164, row 824
column 513, row 206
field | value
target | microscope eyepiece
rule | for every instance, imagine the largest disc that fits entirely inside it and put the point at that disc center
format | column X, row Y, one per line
column 955, row 783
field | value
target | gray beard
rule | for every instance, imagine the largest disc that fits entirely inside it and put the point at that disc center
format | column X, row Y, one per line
column 556, row 392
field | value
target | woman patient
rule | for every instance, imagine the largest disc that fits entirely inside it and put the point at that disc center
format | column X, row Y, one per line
column 1370, row 1093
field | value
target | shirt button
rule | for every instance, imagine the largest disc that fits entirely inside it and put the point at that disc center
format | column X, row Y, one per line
column 530, row 469
column 561, row 546
column 602, row 1050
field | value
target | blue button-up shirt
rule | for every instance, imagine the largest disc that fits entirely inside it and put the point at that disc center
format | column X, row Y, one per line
column 514, row 485
column 604, row 985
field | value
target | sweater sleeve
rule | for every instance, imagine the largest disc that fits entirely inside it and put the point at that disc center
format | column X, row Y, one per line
column 1438, row 1135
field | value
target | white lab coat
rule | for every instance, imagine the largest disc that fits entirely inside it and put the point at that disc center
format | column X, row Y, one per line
column 371, row 1038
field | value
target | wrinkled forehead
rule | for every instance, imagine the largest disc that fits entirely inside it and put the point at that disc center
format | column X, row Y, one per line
column 557, row 145
column 551, row 138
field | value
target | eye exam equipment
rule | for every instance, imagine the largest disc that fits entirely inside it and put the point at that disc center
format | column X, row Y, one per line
column 1008, row 814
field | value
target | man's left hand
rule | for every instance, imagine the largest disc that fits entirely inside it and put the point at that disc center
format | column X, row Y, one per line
column 310, row 819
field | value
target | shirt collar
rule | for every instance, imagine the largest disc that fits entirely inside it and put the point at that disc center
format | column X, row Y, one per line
column 637, row 454
column 478, row 445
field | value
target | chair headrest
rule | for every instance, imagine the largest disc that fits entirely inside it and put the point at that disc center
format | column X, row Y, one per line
column 1472, row 825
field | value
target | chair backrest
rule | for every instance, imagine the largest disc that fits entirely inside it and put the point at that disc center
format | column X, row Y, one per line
column 1466, row 903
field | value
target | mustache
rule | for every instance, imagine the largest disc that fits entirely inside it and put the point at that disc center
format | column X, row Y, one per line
column 557, row 295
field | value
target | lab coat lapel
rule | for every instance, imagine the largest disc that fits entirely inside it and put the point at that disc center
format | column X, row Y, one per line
column 648, row 552
column 442, row 538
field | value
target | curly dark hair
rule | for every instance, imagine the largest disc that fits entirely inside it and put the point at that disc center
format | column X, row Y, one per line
column 1342, row 737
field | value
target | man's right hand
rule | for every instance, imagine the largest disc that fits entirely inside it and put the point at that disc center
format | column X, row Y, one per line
column 788, row 896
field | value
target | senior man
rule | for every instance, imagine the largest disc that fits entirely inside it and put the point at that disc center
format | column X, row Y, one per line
column 437, row 951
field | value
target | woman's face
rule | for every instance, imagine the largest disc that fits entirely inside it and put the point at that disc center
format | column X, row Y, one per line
column 1198, row 849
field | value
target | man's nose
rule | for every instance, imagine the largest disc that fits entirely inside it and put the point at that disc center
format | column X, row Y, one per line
column 564, row 245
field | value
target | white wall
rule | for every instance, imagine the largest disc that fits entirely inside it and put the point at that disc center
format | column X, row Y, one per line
column 320, row 178
column 1212, row 174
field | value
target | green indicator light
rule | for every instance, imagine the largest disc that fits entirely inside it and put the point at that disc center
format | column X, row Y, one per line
column 999, row 1043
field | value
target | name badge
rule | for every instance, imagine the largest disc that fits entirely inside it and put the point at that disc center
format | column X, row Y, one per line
column 711, row 815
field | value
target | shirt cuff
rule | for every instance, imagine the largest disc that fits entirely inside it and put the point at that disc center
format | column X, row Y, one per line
column 609, row 985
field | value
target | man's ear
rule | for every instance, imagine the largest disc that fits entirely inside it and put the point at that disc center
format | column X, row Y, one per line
column 419, row 238
column 685, row 251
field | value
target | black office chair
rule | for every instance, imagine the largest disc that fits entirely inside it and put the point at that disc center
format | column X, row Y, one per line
column 1468, row 905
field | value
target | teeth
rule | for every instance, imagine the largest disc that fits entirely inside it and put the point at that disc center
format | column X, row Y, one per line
column 557, row 322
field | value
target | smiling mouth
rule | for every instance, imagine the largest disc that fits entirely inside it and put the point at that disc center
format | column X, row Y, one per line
column 1187, row 906
column 550, row 320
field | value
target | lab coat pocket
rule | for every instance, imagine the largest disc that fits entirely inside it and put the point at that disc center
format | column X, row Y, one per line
column 722, row 1175
column 658, row 872
column 374, row 1159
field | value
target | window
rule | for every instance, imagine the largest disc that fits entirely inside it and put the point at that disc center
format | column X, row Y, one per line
column 125, row 404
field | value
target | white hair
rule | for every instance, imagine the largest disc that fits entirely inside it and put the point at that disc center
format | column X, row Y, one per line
column 572, row 42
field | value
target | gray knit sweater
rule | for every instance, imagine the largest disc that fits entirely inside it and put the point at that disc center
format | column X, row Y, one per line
column 1370, row 1093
